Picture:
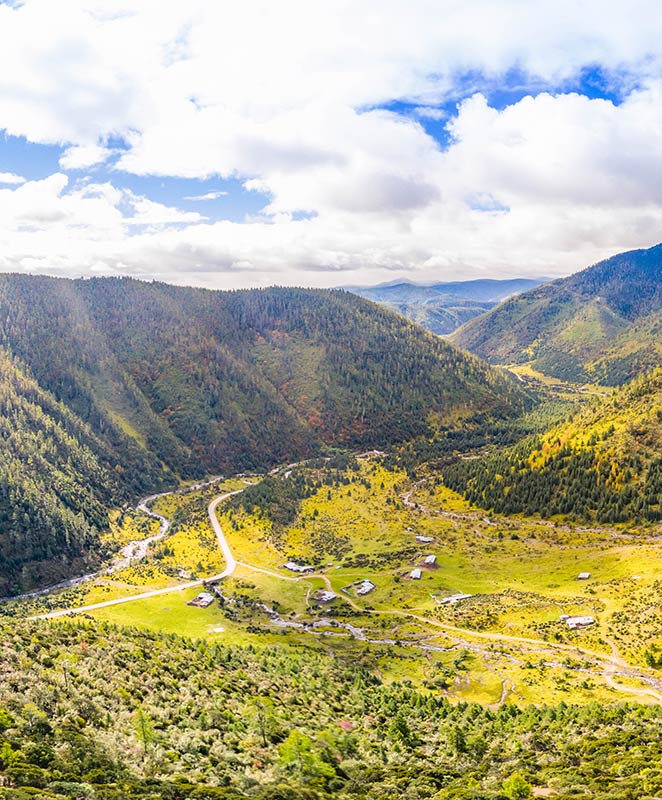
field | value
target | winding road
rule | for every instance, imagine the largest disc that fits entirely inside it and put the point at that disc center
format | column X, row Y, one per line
column 230, row 563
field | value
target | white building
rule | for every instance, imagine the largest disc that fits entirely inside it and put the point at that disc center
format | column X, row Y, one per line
column 365, row 587
column 430, row 560
column 454, row 598
column 415, row 574
column 294, row 567
column 326, row 596
column 579, row 622
column 425, row 539
column 583, row 576
column 203, row 600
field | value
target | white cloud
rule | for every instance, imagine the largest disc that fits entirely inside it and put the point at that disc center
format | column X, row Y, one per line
column 286, row 98
column 11, row 178
column 84, row 156
column 207, row 196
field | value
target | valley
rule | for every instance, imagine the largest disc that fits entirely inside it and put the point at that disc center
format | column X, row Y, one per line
column 360, row 521
column 411, row 562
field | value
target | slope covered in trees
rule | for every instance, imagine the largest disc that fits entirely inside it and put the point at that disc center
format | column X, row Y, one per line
column 56, row 479
column 152, row 382
column 601, row 325
column 92, row 711
column 603, row 464
column 235, row 380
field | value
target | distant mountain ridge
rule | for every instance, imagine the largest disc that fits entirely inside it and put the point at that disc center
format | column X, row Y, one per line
column 123, row 386
column 443, row 307
column 602, row 325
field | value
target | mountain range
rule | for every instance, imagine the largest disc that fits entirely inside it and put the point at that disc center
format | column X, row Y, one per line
column 443, row 307
column 601, row 325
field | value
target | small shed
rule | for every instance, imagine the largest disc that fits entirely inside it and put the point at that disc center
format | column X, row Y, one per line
column 583, row 576
column 455, row 598
column 430, row 560
column 203, row 600
column 425, row 539
column 579, row 622
column 415, row 574
column 294, row 567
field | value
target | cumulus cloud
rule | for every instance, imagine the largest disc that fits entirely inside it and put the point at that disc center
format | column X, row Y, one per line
column 297, row 101
column 11, row 178
column 83, row 156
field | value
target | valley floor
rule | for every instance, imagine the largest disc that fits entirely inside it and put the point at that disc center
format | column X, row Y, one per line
column 505, row 642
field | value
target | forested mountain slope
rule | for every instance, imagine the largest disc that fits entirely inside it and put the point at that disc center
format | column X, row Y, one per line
column 156, row 382
column 56, row 478
column 603, row 464
column 233, row 380
column 94, row 711
column 602, row 325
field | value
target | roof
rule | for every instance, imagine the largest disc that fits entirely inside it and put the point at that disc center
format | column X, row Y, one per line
column 415, row 574
column 455, row 598
column 578, row 622
column 583, row 576
column 430, row 559
column 294, row 567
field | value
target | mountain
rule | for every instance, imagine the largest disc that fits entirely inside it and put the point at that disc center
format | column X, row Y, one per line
column 116, row 387
column 603, row 464
column 443, row 307
column 601, row 325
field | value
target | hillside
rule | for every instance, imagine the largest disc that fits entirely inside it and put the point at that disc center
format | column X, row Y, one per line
column 601, row 325
column 156, row 382
column 604, row 464
column 56, row 478
column 443, row 307
column 90, row 710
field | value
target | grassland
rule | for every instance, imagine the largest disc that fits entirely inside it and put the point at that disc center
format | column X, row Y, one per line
column 506, row 643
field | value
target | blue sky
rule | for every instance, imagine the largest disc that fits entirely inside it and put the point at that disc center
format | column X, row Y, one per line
column 327, row 145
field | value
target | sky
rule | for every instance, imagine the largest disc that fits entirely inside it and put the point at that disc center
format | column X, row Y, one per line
column 227, row 144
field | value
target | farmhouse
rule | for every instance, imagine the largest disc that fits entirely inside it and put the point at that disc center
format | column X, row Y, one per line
column 203, row 600
column 430, row 560
column 579, row 622
column 325, row 596
column 365, row 587
column 294, row 567
column 415, row 574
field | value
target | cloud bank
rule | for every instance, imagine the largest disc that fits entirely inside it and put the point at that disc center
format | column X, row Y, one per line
column 427, row 140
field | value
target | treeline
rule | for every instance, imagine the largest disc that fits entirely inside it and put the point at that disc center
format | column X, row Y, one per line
column 278, row 497
column 92, row 711
column 576, row 483
column 603, row 464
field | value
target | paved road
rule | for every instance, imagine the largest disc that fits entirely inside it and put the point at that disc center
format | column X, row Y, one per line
column 230, row 567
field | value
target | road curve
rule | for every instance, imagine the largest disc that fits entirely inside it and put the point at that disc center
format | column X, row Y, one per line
column 230, row 567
